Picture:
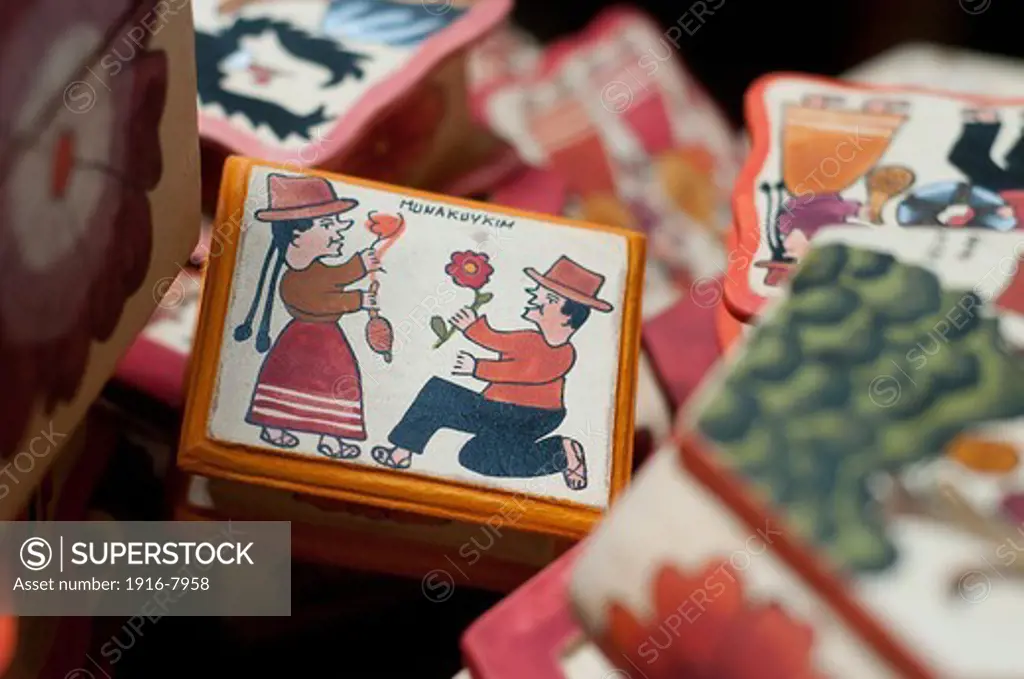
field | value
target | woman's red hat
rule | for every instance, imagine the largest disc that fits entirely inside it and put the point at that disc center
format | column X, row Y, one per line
column 302, row 198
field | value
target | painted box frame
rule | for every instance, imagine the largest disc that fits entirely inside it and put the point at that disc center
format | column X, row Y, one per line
column 199, row 453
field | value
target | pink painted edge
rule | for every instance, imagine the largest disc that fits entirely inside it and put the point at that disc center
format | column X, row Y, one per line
column 499, row 646
column 480, row 19
column 154, row 369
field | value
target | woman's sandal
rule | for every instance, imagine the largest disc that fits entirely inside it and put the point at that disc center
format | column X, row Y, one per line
column 386, row 456
column 285, row 440
column 350, row 452
column 576, row 475
column 347, row 451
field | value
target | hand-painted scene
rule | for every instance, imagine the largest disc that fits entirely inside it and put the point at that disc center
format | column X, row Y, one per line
column 285, row 70
column 627, row 137
column 880, row 410
column 882, row 160
column 405, row 334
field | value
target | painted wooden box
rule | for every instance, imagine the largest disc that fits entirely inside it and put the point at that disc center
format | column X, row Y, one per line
column 100, row 201
column 884, row 157
column 376, row 89
column 911, row 65
column 156, row 363
column 414, row 352
column 844, row 499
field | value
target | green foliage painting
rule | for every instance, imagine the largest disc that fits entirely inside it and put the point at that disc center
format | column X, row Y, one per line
column 869, row 366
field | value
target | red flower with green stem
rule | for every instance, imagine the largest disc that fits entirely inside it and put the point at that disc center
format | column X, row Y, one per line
column 467, row 270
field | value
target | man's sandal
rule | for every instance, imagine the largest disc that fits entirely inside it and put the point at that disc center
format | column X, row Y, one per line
column 576, row 475
column 385, row 456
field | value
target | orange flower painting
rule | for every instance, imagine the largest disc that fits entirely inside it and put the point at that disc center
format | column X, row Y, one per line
column 704, row 628
column 384, row 226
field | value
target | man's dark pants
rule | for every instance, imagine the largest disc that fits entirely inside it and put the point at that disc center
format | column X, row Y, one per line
column 507, row 438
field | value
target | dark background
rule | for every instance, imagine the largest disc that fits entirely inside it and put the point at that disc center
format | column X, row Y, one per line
column 372, row 627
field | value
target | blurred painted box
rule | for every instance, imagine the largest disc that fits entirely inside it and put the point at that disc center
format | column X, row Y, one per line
column 845, row 496
column 613, row 119
column 100, row 201
column 886, row 158
column 912, row 65
column 377, row 89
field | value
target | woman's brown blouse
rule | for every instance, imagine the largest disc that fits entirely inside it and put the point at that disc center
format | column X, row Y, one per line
column 317, row 293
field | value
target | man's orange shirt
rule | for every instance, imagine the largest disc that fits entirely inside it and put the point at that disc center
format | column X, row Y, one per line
column 528, row 372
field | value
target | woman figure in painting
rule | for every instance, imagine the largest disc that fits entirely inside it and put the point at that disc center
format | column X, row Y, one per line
column 310, row 380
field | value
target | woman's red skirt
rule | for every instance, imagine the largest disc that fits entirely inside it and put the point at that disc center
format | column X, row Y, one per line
column 310, row 382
